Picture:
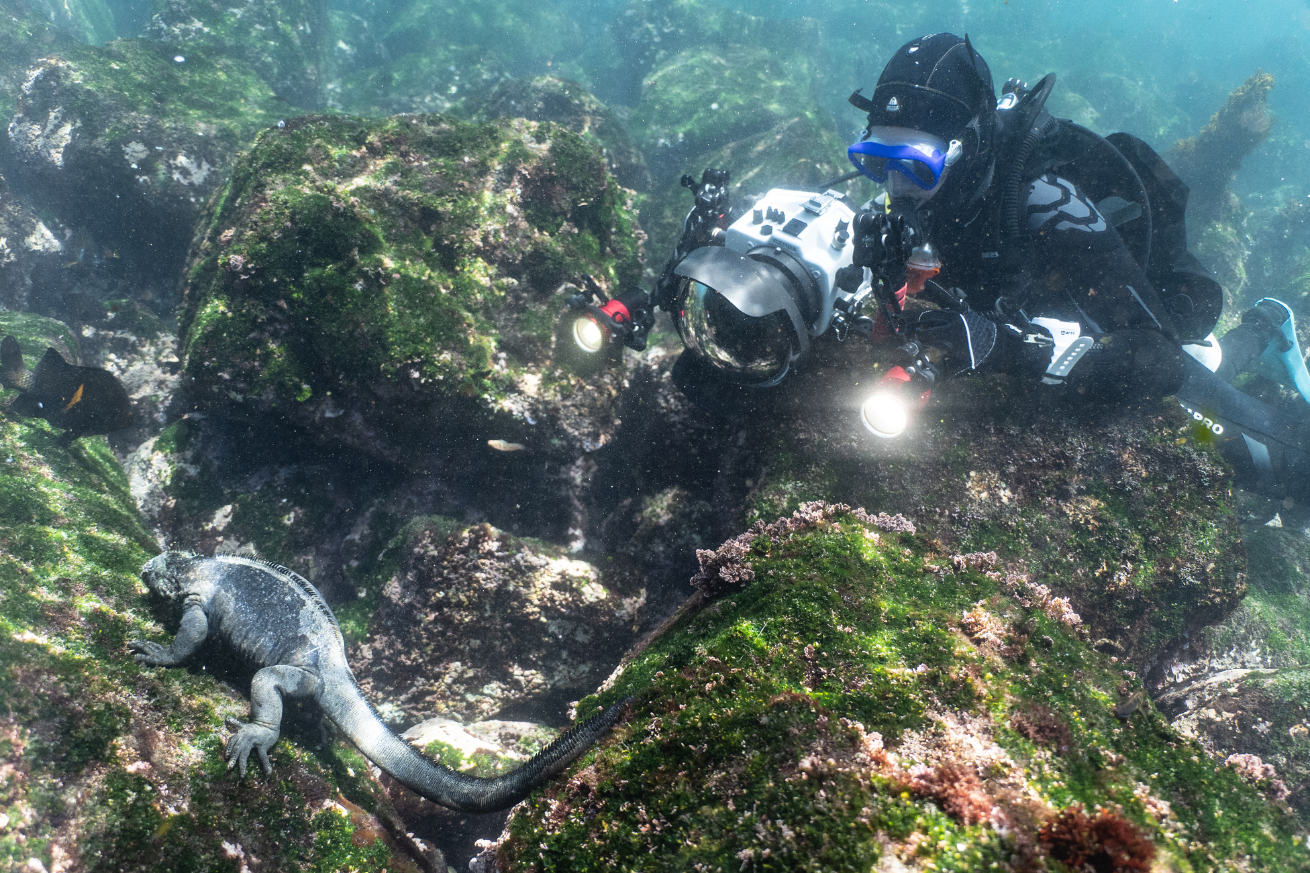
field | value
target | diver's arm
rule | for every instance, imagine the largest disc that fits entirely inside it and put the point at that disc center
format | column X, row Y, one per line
column 1084, row 266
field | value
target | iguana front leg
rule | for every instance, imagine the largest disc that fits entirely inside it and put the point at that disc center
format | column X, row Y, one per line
column 194, row 630
column 265, row 726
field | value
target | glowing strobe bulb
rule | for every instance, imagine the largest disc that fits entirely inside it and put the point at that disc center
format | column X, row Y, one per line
column 588, row 334
column 884, row 415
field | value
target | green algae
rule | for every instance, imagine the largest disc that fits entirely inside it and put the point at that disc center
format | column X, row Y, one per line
column 208, row 92
column 283, row 42
column 750, row 745
column 346, row 255
column 1119, row 509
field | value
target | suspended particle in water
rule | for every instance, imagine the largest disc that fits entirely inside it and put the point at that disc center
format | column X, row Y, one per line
column 179, row 58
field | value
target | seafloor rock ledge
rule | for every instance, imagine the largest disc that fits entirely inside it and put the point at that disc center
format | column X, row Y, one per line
column 846, row 694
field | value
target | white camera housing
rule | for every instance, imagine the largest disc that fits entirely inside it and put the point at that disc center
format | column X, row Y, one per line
column 804, row 225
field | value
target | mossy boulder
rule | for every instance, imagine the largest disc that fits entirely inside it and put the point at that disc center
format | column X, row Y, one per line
column 25, row 36
column 282, row 42
column 105, row 765
column 128, row 141
column 846, row 693
column 565, row 102
column 648, row 33
column 704, row 98
column 431, row 55
column 723, row 89
column 396, row 286
column 1118, row 507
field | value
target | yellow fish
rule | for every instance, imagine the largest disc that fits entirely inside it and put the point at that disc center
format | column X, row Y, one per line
column 77, row 396
column 502, row 446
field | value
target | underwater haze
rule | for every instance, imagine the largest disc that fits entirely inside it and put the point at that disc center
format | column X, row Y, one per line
column 345, row 306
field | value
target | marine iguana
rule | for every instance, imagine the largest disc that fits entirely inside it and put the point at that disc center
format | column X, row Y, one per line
column 279, row 621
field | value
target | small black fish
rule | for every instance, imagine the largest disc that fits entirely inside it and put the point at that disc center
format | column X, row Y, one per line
column 84, row 400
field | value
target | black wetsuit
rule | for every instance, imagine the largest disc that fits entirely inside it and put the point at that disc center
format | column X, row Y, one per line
column 1069, row 264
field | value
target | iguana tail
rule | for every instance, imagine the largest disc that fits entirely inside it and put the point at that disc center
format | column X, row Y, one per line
column 447, row 787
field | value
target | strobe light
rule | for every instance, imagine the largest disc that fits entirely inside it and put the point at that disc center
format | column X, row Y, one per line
column 626, row 318
column 589, row 335
column 886, row 412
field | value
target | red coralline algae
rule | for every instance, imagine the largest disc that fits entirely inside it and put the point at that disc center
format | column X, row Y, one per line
column 725, row 568
column 1104, row 843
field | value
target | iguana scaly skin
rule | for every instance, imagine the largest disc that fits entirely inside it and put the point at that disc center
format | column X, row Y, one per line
column 279, row 621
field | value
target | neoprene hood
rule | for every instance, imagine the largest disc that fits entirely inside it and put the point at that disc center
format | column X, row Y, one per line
column 938, row 84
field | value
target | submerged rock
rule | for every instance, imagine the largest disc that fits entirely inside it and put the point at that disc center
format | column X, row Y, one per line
column 853, row 694
column 284, row 43
column 1119, row 509
column 477, row 623
column 712, row 87
column 395, row 287
column 1208, row 161
column 428, row 56
column 34, row 272
column 1241, row 687
column 565, row 102
column 129, row 142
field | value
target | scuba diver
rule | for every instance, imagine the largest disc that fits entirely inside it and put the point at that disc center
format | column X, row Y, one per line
column 1046, row 249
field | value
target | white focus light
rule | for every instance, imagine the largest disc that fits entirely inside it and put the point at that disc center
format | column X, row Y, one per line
column 884, row 415
column 588, row 335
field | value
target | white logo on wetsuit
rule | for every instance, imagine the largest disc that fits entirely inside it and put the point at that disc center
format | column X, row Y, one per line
column 1053, row 199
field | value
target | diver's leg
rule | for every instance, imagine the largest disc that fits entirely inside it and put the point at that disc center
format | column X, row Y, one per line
column 1129, row 365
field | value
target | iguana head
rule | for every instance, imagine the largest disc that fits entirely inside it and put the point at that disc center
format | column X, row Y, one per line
column 163, row 573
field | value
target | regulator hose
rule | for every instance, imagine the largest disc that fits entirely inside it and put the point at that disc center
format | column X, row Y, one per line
column 1010, row 193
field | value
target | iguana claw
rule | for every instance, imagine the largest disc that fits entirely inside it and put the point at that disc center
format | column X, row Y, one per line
column 150, row 654
column 249, row 736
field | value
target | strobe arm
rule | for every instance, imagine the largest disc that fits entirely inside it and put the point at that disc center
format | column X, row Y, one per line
column 709, row 214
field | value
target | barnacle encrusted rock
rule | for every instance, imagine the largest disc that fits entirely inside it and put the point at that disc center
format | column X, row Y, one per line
column 397, row 286
column 129, row 142
column 834, row 714
column 106, row 765
column 476, row 622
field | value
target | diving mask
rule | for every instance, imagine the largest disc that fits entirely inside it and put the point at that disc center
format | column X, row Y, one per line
column 912, row 155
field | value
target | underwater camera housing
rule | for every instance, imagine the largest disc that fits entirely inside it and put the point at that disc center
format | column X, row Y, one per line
column 749, row 307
